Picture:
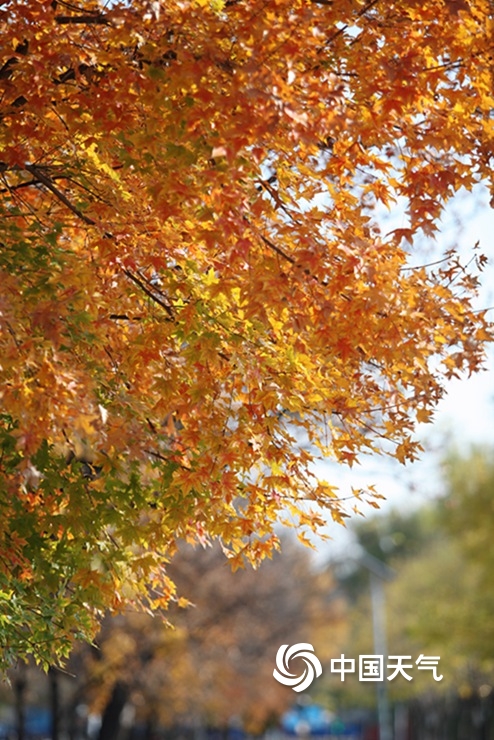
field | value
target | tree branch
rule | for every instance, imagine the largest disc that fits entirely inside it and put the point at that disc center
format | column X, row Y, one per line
column 48, row 183
column 101, row 20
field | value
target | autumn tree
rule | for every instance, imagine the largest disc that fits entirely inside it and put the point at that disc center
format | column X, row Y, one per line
column 195, row 284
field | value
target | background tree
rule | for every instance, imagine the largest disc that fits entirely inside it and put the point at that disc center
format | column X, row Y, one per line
column 439, row 603
column 393, row 538
column 215, row 667
column 457, row 586
column 401, row 541
column 195, row 284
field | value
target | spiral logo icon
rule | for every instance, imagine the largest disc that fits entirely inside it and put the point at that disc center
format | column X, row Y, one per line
column 313, row 667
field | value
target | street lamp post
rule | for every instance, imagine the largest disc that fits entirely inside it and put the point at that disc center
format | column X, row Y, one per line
column 380, row 573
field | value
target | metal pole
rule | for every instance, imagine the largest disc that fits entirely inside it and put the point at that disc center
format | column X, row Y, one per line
column 380, row 648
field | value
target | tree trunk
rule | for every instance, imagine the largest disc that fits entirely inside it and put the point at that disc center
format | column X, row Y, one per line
column 54, row 704
column 110, row 724
column 20, row 707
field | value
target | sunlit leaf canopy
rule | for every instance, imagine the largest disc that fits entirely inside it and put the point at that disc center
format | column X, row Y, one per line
column 194, row 282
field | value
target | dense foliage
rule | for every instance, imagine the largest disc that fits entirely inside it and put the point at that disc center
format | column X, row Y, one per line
column 194, row 283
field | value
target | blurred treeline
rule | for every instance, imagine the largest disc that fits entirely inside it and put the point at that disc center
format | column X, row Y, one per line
column 439, row 603
column 441, row 600
column 208, row 665
column 213, row 668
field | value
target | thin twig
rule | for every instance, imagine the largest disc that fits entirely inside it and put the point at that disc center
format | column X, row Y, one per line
column 150, row 294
